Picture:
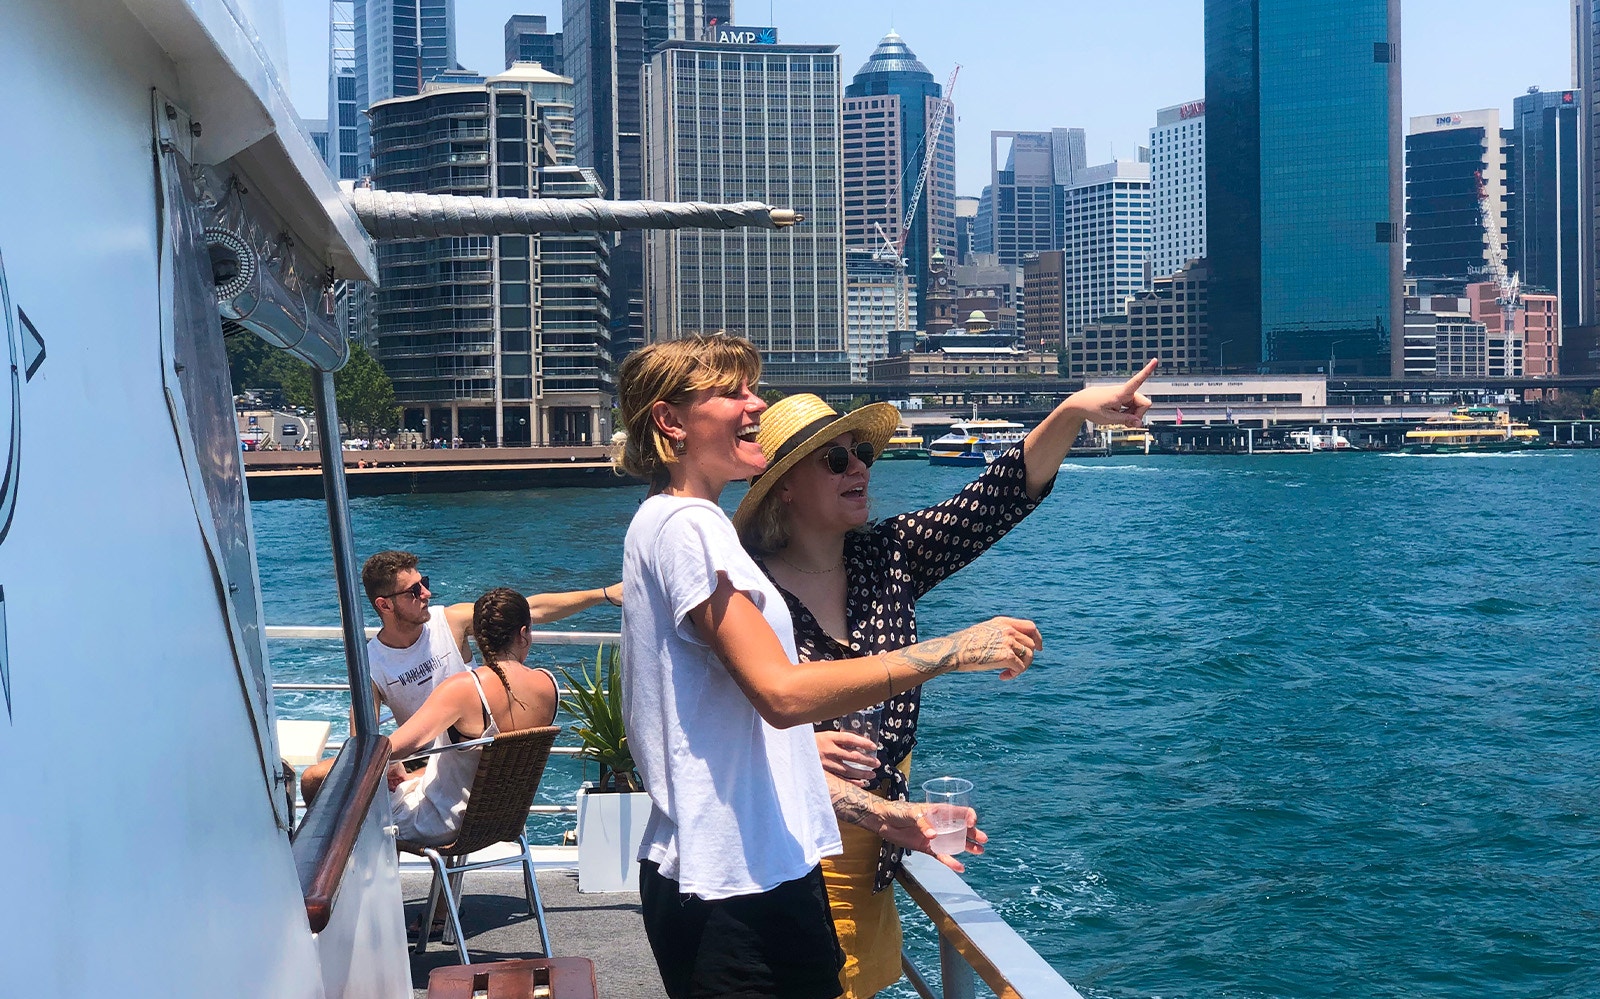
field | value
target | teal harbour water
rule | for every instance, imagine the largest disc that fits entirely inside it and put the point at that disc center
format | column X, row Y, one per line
column 1304, row 725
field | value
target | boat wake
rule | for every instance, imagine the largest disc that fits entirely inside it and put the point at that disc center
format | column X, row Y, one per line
column 1530, row 453
column 1070, row 466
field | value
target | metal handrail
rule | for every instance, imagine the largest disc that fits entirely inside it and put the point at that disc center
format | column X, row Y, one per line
column 974, row 941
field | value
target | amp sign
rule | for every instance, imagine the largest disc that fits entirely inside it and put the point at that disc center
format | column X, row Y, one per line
column 730, row 34
column 1193, row 109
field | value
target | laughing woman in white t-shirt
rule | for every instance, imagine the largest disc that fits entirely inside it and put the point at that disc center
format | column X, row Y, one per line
column 719, row 714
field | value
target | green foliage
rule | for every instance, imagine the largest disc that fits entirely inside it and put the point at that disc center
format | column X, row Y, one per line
column 1571, row 406
column 595, row 702
column 362, row 389
column 772, row 395
column 365, row 394
column 857, row 402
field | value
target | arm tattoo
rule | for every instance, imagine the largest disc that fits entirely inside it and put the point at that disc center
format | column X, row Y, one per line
column 979, row 643
column 852, row 804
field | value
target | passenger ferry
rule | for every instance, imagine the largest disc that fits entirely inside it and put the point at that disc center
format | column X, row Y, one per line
column 975, row 442
column 905, row 445
column 183, row 200
column 1472, row 428
column 1129, row 440
column 1321, row 440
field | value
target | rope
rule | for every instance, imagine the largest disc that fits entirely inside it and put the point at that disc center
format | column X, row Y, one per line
column 396, row 215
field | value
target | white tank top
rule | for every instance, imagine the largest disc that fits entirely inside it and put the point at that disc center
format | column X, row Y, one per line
column 405, row 677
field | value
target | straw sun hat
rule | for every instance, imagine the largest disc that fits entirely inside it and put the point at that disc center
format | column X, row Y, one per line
column 797, row 425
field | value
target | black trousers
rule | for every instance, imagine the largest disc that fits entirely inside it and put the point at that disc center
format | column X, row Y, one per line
column 779, row 943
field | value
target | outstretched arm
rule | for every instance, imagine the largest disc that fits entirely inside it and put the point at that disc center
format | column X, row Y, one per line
column 903, row 823
column 545, row 608
column 788, row 694
column 1046, row 446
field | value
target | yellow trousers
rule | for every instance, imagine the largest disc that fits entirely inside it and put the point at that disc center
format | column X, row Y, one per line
column 868, row 925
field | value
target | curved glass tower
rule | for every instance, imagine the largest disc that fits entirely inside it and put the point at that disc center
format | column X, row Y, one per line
column 889, row 107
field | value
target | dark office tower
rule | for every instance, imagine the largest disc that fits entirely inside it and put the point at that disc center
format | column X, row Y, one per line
column 1304, row 157
column 983, row 222
column 889, row 108
column 1452, row 160
column 399, row 46
column 1546, row 230
column 529, row 40
column 1029, row 191
column 607, row 43
column 1586, row 72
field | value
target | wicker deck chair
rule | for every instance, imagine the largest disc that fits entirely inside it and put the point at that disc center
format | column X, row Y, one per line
column 497, row 812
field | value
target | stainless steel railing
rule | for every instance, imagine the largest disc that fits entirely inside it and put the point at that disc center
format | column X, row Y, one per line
column 975, row 942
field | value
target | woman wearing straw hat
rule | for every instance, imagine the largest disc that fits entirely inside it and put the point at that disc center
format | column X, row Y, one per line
column 852, row 589
column 717, row 710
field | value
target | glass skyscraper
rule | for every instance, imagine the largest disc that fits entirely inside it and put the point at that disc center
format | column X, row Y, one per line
column 399, row 46
column 1304, row 157
column 1546, row 229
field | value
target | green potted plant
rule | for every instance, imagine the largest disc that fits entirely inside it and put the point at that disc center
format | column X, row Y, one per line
column 612, row 811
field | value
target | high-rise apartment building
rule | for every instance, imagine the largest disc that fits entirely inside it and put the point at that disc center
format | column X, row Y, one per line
column 1026, row 193
column 890, row 106
column 775, row 136
column 493, row 339
column 1546, row 227
column 1178, row 187
column 1043, row 285
column 606, row 44
column 1168, row 321
column 1452, row 159
column 399, row 46
column 529, row 39
column 1303, row 160
column 1106, row 217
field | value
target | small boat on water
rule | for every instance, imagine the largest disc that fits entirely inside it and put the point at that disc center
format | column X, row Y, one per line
column 905, row 445
column 1129, row 440
column 975, row 442
column 1472, row 428
column 1321, row 440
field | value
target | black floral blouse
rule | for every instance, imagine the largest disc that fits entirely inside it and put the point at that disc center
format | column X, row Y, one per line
column 890, row 565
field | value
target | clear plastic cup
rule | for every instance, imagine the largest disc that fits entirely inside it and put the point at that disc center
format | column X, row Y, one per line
column 868, row 724
column 949, row 797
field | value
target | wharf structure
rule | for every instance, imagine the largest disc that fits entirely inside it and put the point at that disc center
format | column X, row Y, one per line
column 1303, row 158
column 775, row 136
column 497, row 340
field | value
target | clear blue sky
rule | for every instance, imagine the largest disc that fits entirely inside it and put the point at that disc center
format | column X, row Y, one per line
column 1101, row 65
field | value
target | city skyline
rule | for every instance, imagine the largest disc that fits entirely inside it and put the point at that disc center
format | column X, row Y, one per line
column 1014, row 68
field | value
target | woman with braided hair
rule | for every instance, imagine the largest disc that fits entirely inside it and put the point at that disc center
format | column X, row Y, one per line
column 502, row 695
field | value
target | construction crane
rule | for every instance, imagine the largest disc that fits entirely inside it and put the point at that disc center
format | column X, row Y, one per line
column 1507, row 285
column 894, row 249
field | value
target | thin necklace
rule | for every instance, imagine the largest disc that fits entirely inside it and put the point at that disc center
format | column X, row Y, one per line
column 810, row 572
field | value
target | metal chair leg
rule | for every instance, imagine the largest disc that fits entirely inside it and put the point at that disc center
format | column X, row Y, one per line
column 535, row 903
column 452, row 901
column 456, row 880
column 432, row 905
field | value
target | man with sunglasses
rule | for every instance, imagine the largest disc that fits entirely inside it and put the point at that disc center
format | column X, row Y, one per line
column 420, row 645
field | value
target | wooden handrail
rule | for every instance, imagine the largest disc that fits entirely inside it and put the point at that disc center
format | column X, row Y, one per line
column 326, row 838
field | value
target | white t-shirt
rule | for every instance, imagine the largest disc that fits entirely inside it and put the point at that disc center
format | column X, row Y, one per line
column 739, row 807
column 405, row 677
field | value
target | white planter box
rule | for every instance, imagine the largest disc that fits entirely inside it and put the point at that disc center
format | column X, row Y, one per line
column 610, row 829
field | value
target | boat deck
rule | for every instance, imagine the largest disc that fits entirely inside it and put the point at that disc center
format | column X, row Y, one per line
column 606, row 929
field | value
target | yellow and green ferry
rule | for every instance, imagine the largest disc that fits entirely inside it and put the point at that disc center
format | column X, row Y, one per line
column 1472, row 428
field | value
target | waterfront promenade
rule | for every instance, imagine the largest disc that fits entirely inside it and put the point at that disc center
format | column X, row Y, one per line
column 298, row 474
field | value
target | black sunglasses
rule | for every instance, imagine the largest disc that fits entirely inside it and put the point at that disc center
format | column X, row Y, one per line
column 415, row 589
column 838, row 456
